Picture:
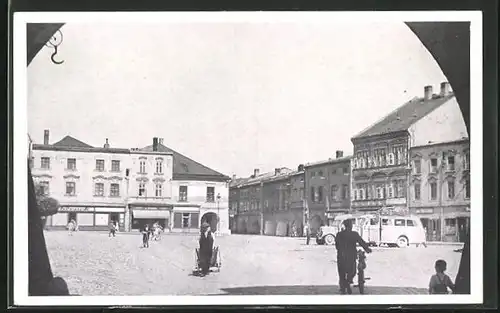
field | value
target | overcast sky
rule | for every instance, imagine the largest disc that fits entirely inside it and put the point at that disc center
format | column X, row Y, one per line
column 232, row 96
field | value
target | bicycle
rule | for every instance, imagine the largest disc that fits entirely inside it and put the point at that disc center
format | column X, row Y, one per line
column 361, row 266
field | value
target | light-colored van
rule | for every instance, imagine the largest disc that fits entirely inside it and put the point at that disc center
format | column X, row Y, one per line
column 400, row 230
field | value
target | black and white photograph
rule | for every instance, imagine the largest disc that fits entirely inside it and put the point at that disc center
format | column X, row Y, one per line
column 247, row 158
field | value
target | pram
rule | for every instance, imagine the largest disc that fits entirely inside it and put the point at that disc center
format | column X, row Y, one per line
column 215, row 262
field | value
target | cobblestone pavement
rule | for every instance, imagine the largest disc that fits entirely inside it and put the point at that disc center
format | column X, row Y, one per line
column 94, row 264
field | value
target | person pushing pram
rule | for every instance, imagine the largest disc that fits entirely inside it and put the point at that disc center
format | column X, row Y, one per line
column 208, row 254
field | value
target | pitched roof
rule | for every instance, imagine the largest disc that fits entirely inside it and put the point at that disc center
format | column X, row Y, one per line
column 404, row 116
column 69, row 141
column 329, row 161
column 186, row 166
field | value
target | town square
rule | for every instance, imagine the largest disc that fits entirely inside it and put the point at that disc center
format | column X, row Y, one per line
column 232, row 158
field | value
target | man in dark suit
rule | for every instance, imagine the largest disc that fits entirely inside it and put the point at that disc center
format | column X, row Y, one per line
column 345, row 243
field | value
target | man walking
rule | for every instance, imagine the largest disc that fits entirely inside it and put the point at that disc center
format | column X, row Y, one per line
column 345, row 243
column 308, row 233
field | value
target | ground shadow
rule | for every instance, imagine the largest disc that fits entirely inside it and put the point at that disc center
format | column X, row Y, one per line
column 320, row 290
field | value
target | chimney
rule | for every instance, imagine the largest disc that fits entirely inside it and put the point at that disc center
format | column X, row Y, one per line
column 445, row 89
column 106, row 145
column 234, row 176
column 256, row 172
column 339, row 154
column 46, row 137
column 155, row 143
column 277, row 171
column 160, row 141
column 427, row 92
column 301, row 168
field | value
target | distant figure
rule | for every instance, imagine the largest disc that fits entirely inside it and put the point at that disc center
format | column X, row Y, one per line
column 307, row 232
column 145, row 236
column 440, row 282
column 72, row 227
column 206, row 248
column 345, row 243
column 112, row 229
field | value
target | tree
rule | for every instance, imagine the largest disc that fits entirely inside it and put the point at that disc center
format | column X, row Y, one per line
column 46, row 205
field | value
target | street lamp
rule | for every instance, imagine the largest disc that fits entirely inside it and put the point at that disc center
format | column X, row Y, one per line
column 218, row 213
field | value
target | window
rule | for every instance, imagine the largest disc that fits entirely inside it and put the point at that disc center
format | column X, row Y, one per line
column 399, row 222
column 99, row 165
column 70, row 189
column 386, row 222
column 334, row 190
column 450, row 222
column 411, row 223
column 390, row 192
column 114, row 190
column 320, row 193
column 142, row 189
column 345, row 192
column 159, row 166
column 451, row 163
column 183, row 193
column 451, row 189
column 115, row 166
column 467, row 188
column 417, row 191
column 355, row 194
column 374, row 221
column 345, row 170
column 380, row 192
column 71, row 164
column 185, row 220
column 417, row 166
column 320, row 173
column 313, row 174
column 313, row 194
column 466, row 161
column 434, row 165
column 302, row 192
column 433, row 186
column 158, row 190
column 45, row 163
column 391, row 159
column 379, row 156
column 210, row 194
column 99, row 189
column 142, row 167
column 334, row 171
column 43, row 188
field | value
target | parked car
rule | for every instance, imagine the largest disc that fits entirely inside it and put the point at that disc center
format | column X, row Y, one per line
column 327, row 234
column 399, row 230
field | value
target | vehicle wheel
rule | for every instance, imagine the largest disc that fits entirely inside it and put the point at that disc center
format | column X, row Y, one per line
column 329, row 240
column 402, row 242
column 361, row 282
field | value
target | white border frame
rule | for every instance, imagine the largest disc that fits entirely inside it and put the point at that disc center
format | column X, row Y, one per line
column 20, row 151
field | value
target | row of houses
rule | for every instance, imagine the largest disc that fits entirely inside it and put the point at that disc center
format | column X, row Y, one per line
column 134, row 187
column 416, row 157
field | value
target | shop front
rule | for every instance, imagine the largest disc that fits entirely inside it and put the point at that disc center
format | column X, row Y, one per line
column 87, row 217
column 186, row 219
column 447, row 224
column 151, row 215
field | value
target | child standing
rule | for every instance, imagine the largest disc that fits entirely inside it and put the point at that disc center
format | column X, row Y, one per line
column 440, row 282
column 145, row 236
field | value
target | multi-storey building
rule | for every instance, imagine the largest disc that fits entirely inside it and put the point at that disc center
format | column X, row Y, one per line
column 88, row 182
column 277, row 214
column 133, row 186
column 440, row 188
column 248, row 194
column 327, row 189
column 381, row 162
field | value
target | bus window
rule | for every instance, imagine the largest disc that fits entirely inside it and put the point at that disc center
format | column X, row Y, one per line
column 399, row 222
column 410, row 223
column 386, row 221
column 374, row 221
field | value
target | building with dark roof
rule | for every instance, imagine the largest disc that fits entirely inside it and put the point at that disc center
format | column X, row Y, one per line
column 327, row 189
column 96, row 185
column 381, row 161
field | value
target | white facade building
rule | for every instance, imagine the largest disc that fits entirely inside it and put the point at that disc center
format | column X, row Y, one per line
column 95, row 186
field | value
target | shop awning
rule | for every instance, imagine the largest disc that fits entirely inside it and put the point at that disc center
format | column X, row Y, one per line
column 161, row 214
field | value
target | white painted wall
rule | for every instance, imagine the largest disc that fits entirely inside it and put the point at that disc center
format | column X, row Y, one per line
column 197, row 194
column 85, row 171
column 151, row 174
column 442, row 125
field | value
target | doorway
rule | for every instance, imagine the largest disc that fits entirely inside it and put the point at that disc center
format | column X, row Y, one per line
column 462, row 228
